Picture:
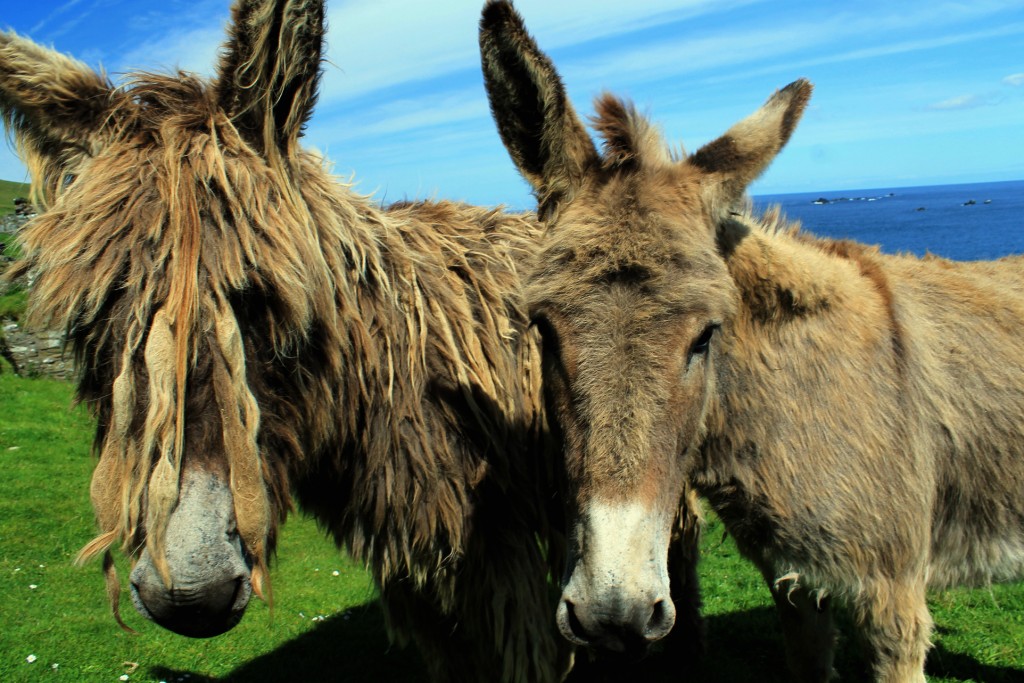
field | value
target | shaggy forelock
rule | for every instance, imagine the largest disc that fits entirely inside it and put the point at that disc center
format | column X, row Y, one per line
column 177, row 242
column 140, row 261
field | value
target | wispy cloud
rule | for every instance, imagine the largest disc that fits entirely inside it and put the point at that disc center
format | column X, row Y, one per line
column 188, row 49
column 958, row 102
column 402, row 101
column 890, row 49
column 411, row 114
column 384, row 44
column 61, row 9
column 729, row 52
column 185, row 39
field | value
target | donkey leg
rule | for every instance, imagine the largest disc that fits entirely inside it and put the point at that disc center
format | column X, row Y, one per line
column 411, row 614
column 897, row 626
column 688, row 638
column 808, row 629
column 452, row 650
column 506, row 601
column 496, row 624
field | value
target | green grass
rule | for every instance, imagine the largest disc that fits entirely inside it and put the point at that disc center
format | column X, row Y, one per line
column 9, row 191
column 12, row 245
column 13, row 303
column 45, row 517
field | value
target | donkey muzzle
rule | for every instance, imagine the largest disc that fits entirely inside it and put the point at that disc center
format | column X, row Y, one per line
column 209, row 585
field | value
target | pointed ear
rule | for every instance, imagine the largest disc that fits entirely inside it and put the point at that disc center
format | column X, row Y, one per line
column 269, row 70
column 540, row 129
column 736, row 159
column 51, row 105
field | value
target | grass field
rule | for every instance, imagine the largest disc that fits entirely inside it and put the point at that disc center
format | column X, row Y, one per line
column 325, row 625
column 12, row 304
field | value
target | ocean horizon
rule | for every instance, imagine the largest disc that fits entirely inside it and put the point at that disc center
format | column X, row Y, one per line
column 968, row 221
column 964, row 221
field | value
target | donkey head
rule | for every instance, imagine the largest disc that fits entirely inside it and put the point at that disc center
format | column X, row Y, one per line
column 634, row 300
column 175, row 249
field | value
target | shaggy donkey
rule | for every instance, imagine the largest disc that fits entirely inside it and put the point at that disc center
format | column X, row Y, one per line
column 247, row 329
column 853, row 417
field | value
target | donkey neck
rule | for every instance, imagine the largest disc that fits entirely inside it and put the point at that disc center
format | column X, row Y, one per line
column 431, row 376
column 784, row 275
column 804, row 304
column 427, row 302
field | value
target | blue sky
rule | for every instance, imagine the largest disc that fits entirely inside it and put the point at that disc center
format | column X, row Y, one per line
column 915, row 92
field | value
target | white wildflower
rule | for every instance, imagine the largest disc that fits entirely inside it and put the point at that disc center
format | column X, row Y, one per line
column 335, row 573
column 33, row 586
column 30, row 658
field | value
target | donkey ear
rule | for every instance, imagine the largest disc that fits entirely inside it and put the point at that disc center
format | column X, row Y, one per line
column 49, row 103
column 736, row 159
column 269, row 70
column 540, row 129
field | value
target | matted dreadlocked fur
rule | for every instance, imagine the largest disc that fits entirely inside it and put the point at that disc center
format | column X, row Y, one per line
column 219, row 298
column 379, row 302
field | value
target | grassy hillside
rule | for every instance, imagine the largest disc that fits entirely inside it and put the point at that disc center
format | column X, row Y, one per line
column 325, row 625
column 8, row 192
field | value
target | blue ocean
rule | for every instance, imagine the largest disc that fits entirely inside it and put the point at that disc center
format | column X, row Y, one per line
column 963, row 222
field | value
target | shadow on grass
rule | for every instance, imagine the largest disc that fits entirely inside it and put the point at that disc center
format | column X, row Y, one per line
column 742, row 646
column 943, row 663
column 351, row 647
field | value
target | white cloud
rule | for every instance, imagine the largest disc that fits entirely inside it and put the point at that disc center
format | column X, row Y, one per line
column 62, row 9
column 192, row 50
column 401, row 96
column 383, row 44
column 409, row 114
column 664, row 59
column 959, row 102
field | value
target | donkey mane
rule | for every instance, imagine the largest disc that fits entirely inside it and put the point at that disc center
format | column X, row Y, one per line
column 629, row 137
column 784, row 272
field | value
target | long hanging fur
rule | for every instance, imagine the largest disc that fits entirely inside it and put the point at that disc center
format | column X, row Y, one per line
column 226, row 298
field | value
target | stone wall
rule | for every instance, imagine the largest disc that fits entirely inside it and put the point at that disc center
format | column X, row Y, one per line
column 37, row 352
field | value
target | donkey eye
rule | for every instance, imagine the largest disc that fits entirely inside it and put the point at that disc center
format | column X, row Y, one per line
column 702, row 343
column 67, row 180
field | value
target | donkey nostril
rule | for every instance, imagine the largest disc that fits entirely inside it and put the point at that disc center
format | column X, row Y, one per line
column 574, row 623
column 663, row 616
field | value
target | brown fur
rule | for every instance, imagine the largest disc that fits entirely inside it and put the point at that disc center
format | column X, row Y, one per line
column 232, row 306
column 554, row 153
column 854, row 418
